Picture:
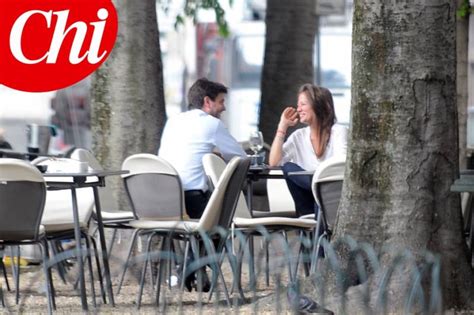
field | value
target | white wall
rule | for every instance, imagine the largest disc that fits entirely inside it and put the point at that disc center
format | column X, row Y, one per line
column 17, row 109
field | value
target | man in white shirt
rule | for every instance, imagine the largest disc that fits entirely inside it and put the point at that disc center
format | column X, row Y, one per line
column 189, row 135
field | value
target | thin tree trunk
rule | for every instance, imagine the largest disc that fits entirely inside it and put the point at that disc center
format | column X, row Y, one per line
column 403, row 154
column 128, row 106
column 288, row 61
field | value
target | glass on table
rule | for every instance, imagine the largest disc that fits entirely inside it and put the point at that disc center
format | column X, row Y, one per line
column 256, row 144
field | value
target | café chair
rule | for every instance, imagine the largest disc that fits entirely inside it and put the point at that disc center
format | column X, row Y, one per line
column 112, row 217
column 155, row 193
column 107, row 200
column 327, row 188
column 21, row 217
column 248, row 225
column 218, row 213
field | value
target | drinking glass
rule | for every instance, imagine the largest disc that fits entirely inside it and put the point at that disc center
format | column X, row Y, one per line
column 256, row 143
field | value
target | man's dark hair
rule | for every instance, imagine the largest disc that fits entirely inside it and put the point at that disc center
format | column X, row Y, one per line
column 202, row 88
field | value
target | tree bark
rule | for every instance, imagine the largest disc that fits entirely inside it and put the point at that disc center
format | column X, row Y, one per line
column 128, row 106
column 403, row 152
column 288, row 62
column 462, row 41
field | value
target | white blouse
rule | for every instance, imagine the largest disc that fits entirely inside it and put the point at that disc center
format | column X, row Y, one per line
column 299, row 150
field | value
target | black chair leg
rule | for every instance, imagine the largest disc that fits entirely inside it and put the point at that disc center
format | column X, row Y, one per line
column 196, row 254
column 240, row 257
column 307, row 253
column 253, row 281
column 99, row 270
column 2, row 249
column 127, row 262
column 165, row 247
column 184, row 263
column 267, row 262
column 16, row 267
column 1, row 297
column 4, row 270
column 216, row 266
column 61, row 265
column 47, row 274
column 112, row 242
column 142, row 278
column 91, row 269
column 221, row 249
column 234, row 264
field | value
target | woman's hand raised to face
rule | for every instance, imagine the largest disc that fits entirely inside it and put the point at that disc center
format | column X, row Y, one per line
column 289, row 118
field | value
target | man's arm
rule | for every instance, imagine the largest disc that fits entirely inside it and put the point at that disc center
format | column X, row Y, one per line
column 226, row 144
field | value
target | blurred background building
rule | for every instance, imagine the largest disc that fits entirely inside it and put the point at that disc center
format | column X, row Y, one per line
column 196, row 50
column 18, row 109
column 189, row 52
column 72, row 116
column 237, row 61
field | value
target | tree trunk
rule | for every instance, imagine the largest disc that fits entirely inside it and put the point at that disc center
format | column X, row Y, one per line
column 462, row 41
column 288, row 63
column 403, row 153
column 128, row 106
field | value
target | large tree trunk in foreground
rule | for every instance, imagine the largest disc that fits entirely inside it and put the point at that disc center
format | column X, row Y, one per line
column 128, row 107
column 403, row 154
column 288, row 62
column 462, row 40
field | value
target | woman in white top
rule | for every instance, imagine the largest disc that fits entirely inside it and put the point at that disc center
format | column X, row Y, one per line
column 307, row 147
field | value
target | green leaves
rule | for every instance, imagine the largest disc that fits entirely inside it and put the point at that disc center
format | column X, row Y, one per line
column 179, row 21
column 464, row 9
column 192, row 7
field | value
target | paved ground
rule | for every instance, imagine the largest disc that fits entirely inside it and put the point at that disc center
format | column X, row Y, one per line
column 33, row 299
column 265, row 299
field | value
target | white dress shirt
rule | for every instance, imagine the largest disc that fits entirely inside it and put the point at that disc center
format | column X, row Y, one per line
column 299, row 150
column 187, row 137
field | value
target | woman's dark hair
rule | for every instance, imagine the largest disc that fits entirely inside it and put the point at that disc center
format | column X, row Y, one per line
column 323, row 106
column 202, row 88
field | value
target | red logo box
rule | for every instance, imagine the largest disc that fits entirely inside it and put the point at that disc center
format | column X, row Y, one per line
column 47, row 45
